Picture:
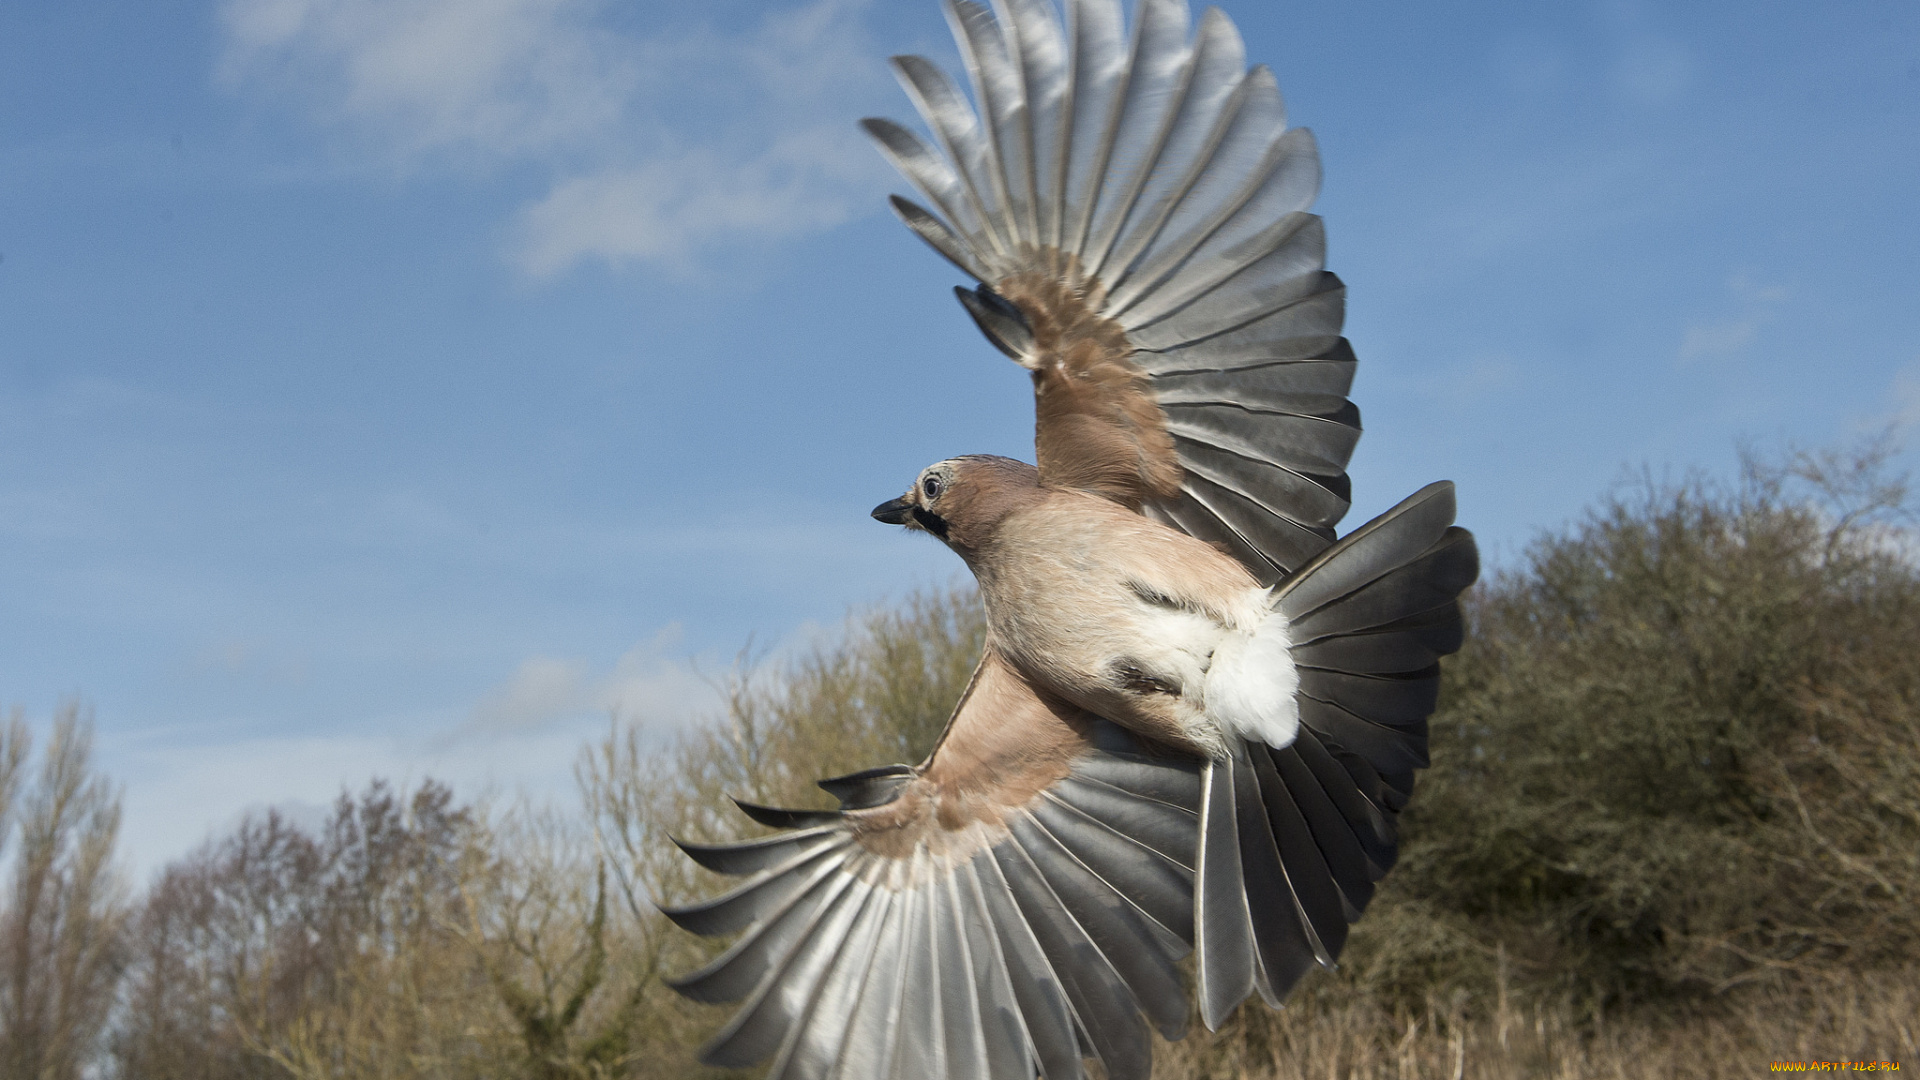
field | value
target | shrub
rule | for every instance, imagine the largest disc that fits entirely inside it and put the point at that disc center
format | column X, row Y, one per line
column 1679, row 751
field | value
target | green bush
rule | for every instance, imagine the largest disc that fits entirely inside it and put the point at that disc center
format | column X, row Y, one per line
column 1679, row 750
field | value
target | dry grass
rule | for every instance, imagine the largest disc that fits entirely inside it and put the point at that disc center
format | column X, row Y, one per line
column 1334, row 1036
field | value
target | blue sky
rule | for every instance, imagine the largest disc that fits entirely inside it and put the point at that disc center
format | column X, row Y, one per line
column 396, row 387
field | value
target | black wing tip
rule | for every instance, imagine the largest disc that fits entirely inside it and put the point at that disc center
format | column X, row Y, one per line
column 686, row 918
column 1003, row 323
column 1466, row 550
column 909, row 211
column 774, row 817
column 869, row 788
column 719, row 858
column 1438, row 489
column 688, row 986
column 706, row 855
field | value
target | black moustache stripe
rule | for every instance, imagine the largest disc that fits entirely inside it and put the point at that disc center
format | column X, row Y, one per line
column 931, row 522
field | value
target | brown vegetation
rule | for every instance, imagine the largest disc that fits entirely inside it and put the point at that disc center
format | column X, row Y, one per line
column 62, row 911
column 1672, row 826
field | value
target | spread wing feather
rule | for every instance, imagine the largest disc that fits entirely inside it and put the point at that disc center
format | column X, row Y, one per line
column 1141, row 203
column 1008, row 936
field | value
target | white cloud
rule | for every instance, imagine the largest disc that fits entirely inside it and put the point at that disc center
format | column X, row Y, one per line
column 543, row 689
column 647, row 682
column 655, row 147
column 1705, row 340
column 1906, row 397
column 1712, row 339
column 496, row 77
column 665, row 210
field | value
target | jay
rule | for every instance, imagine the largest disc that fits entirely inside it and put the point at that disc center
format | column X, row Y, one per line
column 1200, row 708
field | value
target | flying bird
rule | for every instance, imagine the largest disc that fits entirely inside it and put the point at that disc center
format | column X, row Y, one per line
column 1200, row 708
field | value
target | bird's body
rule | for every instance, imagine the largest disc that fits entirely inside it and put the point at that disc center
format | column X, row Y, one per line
column 1199, row 709
column 1116, row 613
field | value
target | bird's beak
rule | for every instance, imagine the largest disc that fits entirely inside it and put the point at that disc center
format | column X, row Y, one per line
column 894, row 512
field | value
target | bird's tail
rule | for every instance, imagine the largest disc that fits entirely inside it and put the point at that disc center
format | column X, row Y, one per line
column 1293, row 836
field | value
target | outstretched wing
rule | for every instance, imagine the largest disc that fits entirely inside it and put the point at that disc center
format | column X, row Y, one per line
column 1019, row 901
column 1015, row 904
column 1135, row 211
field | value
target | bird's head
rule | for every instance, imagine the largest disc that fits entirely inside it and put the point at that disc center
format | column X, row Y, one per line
column 963, row 500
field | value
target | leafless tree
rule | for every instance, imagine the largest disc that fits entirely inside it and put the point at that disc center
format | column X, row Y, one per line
column 62, row 913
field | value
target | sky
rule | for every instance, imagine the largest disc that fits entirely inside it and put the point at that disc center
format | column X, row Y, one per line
column 403, row 387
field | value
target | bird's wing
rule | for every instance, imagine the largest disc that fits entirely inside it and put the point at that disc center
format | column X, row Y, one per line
column 1013, row 905
column 1018, row 901
column 1134, row 207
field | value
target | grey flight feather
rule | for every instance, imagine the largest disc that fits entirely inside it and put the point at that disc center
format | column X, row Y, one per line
column 862, row 1039
column 1163, row 829
column 1159, row 889
column 938, row 236
column 1310, row 878
column 1284, row 946
column 754, row 856
column 1102, row 1006
column 765, row 893
column 1111, row 924
column 1045, row 1012
column 812, row 1047
column 1160, row 69
column 1275, row 541
column 763, row 1023
column 1222, row 933
column 1216, row 88
column 774, row 817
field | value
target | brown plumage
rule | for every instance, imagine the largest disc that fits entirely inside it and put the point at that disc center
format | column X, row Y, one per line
column 1082, row 594
column 1096, row 428
column 1006, row 744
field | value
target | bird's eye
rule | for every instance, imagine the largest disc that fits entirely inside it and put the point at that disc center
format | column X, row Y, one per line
column 931, row 486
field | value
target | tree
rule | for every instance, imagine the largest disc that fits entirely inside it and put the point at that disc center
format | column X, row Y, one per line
column 277, row 953
column 64, row 907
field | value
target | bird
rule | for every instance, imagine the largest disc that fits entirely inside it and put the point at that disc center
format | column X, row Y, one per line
column 1199, row 708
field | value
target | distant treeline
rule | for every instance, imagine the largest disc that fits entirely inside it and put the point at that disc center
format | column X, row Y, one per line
column 1672, row 822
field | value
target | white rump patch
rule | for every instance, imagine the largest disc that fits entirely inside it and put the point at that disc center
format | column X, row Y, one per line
column 1252, row 686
